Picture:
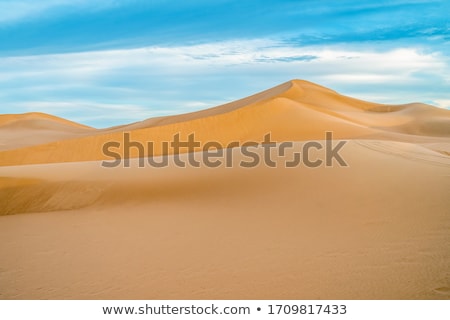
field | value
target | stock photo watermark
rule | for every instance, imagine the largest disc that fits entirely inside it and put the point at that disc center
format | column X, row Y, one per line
column 212, row 154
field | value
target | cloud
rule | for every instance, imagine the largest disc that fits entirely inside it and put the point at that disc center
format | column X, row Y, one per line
column 115, row 86
column 442, row 103
column 62, row 26
column 287, row 59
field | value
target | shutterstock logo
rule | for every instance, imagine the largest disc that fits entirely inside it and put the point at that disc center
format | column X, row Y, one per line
column 193, row 153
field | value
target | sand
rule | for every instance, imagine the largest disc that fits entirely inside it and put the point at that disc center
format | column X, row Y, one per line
column 375, row 229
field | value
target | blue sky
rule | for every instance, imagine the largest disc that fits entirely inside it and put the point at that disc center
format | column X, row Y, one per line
column 110, row 62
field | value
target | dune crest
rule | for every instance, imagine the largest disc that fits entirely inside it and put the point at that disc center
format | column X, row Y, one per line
column 38, row 116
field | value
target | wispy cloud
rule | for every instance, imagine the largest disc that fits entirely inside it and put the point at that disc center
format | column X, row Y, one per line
column 154, row 81
column 150, row 58
column 66, row 26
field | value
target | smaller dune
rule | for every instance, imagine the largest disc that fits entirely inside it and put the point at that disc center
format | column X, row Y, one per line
column 29, row 129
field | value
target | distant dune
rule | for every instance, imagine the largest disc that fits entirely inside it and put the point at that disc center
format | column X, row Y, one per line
column 35, row 128
column 377, row 228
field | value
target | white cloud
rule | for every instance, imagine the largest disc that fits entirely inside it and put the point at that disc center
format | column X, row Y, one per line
column 361, row 65
column 442, row 103
column 153, row 81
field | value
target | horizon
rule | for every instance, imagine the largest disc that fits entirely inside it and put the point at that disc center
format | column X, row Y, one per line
column 44, row 114
column 113, row 63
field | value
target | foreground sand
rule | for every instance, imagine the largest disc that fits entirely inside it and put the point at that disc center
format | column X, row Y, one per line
column 377, row 229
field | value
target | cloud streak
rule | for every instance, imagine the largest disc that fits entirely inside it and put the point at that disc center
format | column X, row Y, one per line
column 154, row 81
column 151, row 58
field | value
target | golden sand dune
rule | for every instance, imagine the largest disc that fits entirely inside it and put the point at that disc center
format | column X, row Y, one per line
column 294, row 111
column 377, row 229
column 374, row 229
column 38, row 116
column 23, row 130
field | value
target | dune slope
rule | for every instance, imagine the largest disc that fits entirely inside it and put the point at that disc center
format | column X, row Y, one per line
column 377, row 229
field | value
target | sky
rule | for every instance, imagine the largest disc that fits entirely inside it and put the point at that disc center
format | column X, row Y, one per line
column 110, row 62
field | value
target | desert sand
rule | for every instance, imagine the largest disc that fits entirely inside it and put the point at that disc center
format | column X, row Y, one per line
column 378, row 228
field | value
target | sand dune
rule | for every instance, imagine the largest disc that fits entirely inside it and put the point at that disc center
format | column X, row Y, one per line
column 24, row 130
column 294, row 111
column 375, row 229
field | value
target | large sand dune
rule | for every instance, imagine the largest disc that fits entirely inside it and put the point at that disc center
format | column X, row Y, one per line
column 375, row 229
column 294, row 111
